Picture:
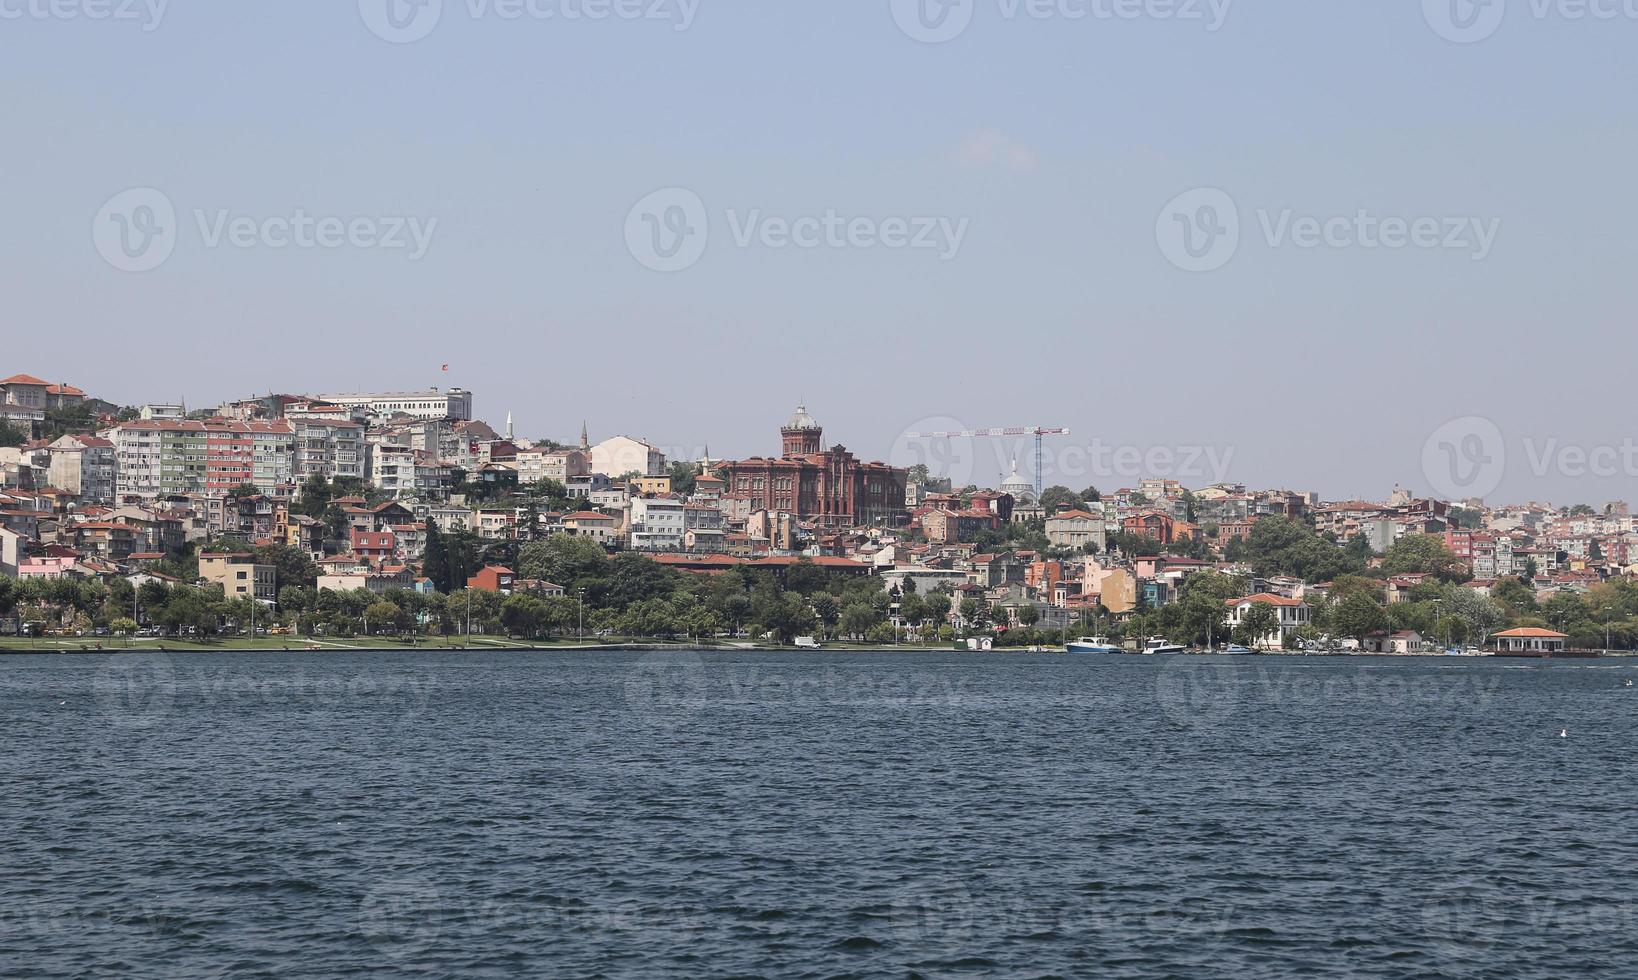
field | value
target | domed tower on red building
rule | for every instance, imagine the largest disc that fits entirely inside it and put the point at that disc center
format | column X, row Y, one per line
column 828, row 487
column 802, row 434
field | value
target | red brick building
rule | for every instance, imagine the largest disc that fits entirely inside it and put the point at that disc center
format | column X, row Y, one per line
column 1151, row 524
column 828, row 487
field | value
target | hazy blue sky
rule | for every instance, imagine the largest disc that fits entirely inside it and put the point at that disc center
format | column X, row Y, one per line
column 1053, row 143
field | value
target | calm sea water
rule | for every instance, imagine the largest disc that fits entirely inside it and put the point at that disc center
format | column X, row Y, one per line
column 504, row 814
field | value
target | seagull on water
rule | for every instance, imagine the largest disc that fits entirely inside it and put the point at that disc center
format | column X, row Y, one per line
column 1563, row 733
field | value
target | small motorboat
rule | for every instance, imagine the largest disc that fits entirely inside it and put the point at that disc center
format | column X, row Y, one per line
column 1236, row 650
column 1158, row 645
column 1091, row 644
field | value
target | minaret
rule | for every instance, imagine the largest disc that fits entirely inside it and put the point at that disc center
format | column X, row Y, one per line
column 508, row 426
column 585, row 443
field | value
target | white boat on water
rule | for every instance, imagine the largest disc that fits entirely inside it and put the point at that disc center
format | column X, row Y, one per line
column 1158, row 645
column 1091, row 644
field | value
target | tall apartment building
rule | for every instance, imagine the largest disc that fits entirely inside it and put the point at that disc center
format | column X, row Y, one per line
column 422, row 435
column 1488, row 555
column 328, row 448
column 456, row 403
column 163, row 458
column 657, row 523
column 405, row 472
column 85, row 466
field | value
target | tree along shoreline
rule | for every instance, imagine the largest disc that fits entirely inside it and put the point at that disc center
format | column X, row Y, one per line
column 497, row 645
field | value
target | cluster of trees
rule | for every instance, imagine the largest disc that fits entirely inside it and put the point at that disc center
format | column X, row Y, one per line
column 317, row 500
column 630, row 594
column 1285, row 546
column 625, row 594
column 89, row 606
column 449, row 560
column 1354, row 609
column 1054, row 498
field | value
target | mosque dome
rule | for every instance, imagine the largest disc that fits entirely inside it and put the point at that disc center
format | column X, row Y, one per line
column 1021, row 489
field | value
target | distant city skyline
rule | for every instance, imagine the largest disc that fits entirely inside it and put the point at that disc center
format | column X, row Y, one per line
column 1077, row 461
column 1314, row 234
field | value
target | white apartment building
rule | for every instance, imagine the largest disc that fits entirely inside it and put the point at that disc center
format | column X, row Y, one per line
column 602, row 528
column 559, row 465
column 658, row 523
column 1292, row 613
column 621, row 455
column 456, row 403
column 404, row 472
column 431, row 436
column 447, row 517
column 329, row 448
column 137, row 461
column 273, row 456
column 497, row 525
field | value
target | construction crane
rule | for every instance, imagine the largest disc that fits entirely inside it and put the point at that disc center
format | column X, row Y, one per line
column 1038, row 432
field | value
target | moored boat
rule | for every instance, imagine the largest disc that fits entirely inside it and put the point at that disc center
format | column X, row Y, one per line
column 1159, row 645
column 1091, row 644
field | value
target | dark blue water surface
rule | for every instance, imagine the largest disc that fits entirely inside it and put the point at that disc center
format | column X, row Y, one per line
column 825, row 815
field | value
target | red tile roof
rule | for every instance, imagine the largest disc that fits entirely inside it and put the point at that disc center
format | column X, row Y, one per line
column 1268, row 597
column 710, row 560
column 822, row 561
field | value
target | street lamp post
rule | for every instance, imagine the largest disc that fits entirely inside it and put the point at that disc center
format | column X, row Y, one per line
column 580, row 598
